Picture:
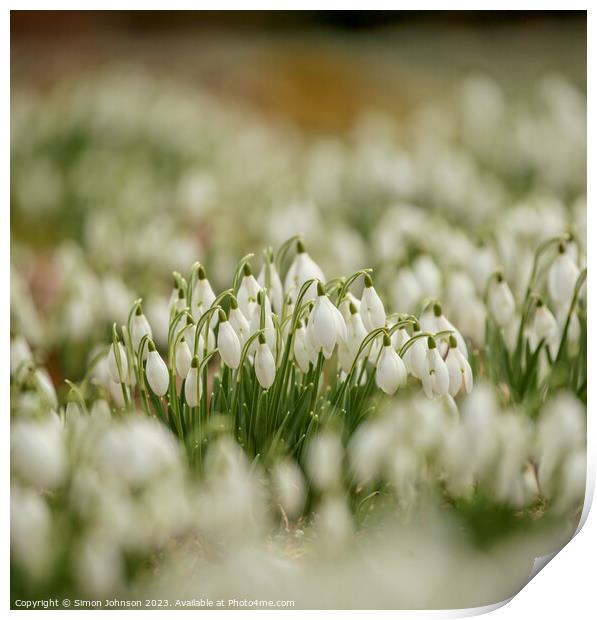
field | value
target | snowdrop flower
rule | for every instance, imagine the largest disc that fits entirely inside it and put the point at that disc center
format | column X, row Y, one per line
column 371, row 309
column 192, row 386
column 238, row 321
column 436, row 379
column 346, row 303
column 269, row 278
column 174, row 295
column 303, row 268
column 459, row 370
column 302, row 351
column 265, row 365
column 501, row 301
column 544, row 327
column 355, row 334
column 416, row 355
column 181, row 302
column 562, row 277
column 268, row 325
column 228, row 342
column 20, row 354
column 433, row 320
column 156, row 372
column 289, row 487
column 326, row 326
column 391, row 371
column 114, row 357
column 183, row 355
column 247, row 292
column 324, row 461
column 202, row 297
column 46, row 387
column 140, row 327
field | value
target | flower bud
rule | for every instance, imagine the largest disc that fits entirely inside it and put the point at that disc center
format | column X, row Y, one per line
column 113, row 364
column 156, row 372
column 265, row 365
column 501, row 301
column 139, row 327
column 192, row 386
column 371, row 309
column 391, row 372
column 562, row 276
column 228, row 342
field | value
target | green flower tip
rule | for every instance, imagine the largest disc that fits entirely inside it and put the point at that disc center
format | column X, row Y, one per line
column 151, row 345
column 175, row 281
column 437, row 309
column 320, row 289
column 561, row 248
column 300, row 247
column 180, row 294
column 189, row 319
column 233, row 302
column 260, row 297
column 539, row 302
column 247, row 271
column 431, row 343
column 386, row 340
column 195, row 362
column 416, row 326
column 261, row 338
column 222, row 316
column 499, row 277
column 352, row 308
column 138, row 311
column 368, row 281
column 452, row 341
column 299, row 325
column 201, row 272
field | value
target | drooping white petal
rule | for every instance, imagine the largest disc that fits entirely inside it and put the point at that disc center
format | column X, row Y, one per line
column 192, row 387
column 265, row 366
column 228, row 345
column 372, row 309
column 391, row 372
column 157, row 374
column 561, row 279
column 113, row 365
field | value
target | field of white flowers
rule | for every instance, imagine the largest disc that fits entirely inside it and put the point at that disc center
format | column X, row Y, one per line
column 250, row 363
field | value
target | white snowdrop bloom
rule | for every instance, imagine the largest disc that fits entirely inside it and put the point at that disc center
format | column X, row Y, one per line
column 561, row 429
column 562, row 276
column 428, row 275
column 326, row 326
column 140, row 327
column 324, row 461
column 573, row 334
column 46, row 387
column 228, row 342
column 573, row 481
column 391, row 371
column 72, row 413
column 544, row 327
column 302, row 352
column 174, row 296
column 20, row 354
column 501, row 301
column 459, row 370
column 406, row 290
column 37, row 453
column 156, row 372
column 30, row 531
column 268, row 326
column 238, row 321
column 415, row 357
column 100, row 410
column 289, row 487
column 355, row 334
column 334, row 523
column 265, row 365
column 269, row 278
column 371, row 308
column 192, row 386
column 368, row 450
column 247, row 292
column 303, row 268
column 115, row 390
column 435, row 379
column 183, row 358
column 113, row 363
column 399, row 337
column 202, row 297
column 433, row 320
column 181, row 303
column 345, row 304
column 99, row 565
